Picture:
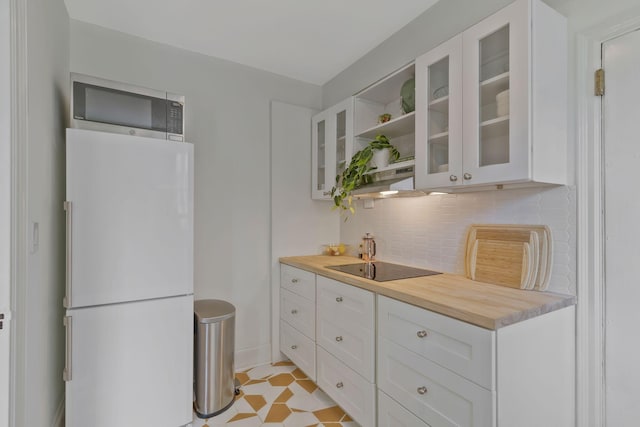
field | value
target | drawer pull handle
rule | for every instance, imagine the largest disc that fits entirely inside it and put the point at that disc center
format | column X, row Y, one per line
column 293, row 347
column 340, row 385
column 339, row 299
column 294, row 311
column 339, row 338
column 422, row 390
column 422, row 334
column 294, row 280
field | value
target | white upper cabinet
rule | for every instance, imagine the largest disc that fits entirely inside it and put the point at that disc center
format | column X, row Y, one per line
column 438, row 111
column 331, row 147
column 492, row 102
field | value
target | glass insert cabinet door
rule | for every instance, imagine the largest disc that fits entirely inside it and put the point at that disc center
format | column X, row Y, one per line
column 496, row 71
column 439, row 116
column 331, row 147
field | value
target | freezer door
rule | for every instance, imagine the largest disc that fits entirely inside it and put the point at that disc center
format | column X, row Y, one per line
column 130, row 364
column 129, row 218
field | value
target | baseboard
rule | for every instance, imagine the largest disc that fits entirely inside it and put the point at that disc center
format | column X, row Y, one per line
column 58, row 419
column 250, row 357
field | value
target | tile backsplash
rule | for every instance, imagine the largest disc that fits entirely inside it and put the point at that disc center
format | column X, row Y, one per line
column 430, row 231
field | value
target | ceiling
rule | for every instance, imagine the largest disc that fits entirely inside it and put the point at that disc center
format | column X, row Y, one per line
column 308, row 40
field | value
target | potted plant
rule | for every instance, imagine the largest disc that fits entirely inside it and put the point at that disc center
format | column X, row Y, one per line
column 356, row 173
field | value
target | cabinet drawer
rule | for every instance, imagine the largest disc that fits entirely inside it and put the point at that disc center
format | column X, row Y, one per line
column 436, row 395
column 392, row 414
column 300, row 349
column 348, row 303
column 347, row 388
column 345, row 325
column 465, row 349
column 298, row 281
column 298, row 312
column 353, row 345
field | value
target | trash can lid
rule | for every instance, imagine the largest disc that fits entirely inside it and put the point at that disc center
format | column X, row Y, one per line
column 213, row 310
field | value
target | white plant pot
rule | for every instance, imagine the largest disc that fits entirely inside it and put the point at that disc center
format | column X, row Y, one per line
column 381, row 158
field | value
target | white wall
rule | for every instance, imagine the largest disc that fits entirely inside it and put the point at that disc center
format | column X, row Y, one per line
column 39, row 312
column 298, row 228
column 227, row 118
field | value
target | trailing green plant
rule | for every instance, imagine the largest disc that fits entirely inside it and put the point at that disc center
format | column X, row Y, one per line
column 356, row 174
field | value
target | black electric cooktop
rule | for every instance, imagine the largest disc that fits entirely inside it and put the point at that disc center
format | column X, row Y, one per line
column 382, row 271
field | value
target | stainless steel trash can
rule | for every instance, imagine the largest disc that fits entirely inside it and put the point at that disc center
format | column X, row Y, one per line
column 214, row 356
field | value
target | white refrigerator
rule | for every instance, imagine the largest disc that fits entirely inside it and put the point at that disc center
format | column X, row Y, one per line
column 129, row 286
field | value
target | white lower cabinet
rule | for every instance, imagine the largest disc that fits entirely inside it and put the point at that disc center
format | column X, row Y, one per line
column 298, row 317
column 392, row 414
column 299, row 349
column 347, row 388
column 426, row 369
column 346, row 325
column 299, row 312
column 435, row 394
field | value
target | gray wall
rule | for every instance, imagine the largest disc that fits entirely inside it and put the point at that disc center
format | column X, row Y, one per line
column 228, row 120
column 439, row 23
column 39, row 312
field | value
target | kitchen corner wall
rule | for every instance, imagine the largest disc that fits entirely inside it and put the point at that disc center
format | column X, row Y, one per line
column 430, row 231
column 228, row 120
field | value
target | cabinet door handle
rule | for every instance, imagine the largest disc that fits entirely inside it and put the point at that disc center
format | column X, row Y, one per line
column 326, row 193
column 422, row 390
column 66, row 373
column 340, row 385
column 339, row 299
column 422, row 334
column 294, row 280
column 467, row 176
column 293, row 347
column 294, row 311
column 66, row 301
column 453, row 178
column 339, row 338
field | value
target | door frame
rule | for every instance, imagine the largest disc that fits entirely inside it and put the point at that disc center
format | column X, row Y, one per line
column 590, row 287
column 18, row 205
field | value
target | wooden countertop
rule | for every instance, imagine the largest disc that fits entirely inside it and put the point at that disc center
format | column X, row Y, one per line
column 482, row 304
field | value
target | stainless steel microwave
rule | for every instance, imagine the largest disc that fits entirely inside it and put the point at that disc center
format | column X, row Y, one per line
column 105, row 105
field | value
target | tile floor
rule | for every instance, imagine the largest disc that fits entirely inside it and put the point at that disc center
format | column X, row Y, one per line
column 279, row 395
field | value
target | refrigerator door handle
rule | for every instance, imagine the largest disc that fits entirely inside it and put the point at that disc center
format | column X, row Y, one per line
column 66, row 374
column 68, row 210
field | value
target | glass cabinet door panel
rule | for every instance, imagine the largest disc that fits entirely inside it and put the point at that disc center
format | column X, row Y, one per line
column 493, row 90
column 341, row 141
column 439, row 116
column 320, row 155
column 497, row 57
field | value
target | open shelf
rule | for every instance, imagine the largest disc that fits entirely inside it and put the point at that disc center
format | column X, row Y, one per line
column 399, row 126
column 394, row 166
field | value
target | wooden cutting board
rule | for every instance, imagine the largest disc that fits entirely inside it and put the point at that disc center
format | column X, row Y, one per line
column 502, row 263
column 537, row 236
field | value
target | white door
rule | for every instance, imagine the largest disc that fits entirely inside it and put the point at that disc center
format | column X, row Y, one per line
column 131, row 218
column 5, row 212
column 130, row 364
column 621, row 110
